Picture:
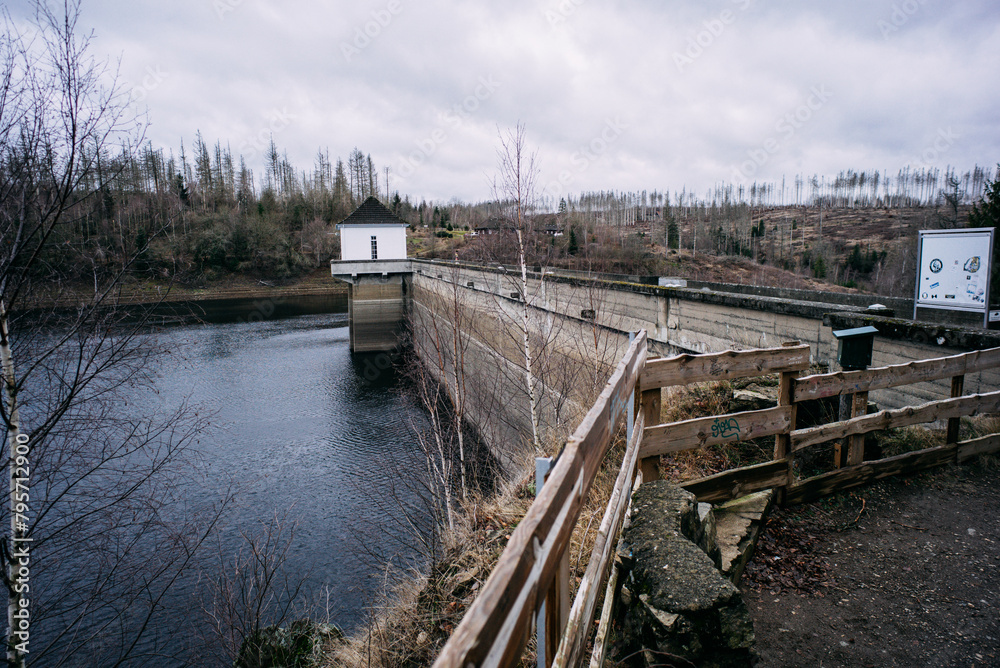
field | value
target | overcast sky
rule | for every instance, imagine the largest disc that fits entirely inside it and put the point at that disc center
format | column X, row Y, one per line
column 626, row 95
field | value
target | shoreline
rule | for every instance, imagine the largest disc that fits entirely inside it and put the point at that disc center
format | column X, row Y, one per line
column 238, row 288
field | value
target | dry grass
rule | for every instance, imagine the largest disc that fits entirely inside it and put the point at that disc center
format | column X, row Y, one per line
column 412, row 621
column 899, row 441
column 704, row 400
column 902, row 440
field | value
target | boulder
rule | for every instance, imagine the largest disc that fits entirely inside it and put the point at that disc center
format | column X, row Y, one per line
column 751, row 400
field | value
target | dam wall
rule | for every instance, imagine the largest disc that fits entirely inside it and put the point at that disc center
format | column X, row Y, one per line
column 579, row 329
column 471, row 335
column 467, row 323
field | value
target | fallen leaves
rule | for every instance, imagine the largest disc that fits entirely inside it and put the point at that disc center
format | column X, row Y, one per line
column 786, row 560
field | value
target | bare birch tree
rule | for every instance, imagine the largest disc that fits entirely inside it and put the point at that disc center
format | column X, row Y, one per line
column 92, row 481
column 442, row 327
column 514, row 190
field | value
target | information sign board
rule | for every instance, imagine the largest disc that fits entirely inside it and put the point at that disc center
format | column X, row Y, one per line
column 954, row 271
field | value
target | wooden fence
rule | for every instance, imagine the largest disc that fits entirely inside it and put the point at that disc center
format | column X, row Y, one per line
column 497, row 625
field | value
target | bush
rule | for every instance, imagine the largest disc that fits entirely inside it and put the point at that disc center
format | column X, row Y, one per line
column 298, row 646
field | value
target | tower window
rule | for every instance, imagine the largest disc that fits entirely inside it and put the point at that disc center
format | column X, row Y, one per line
column 374, row 247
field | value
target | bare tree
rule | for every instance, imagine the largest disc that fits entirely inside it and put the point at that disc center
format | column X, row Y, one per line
column 442, row 326
column 92, row 480
column 514, row 190
column 252, row 593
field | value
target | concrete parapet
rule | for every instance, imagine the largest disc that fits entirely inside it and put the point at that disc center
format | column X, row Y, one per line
column 739, row 524
column 347, row 270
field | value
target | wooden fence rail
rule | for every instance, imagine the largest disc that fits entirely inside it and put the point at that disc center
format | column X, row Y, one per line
column 497, row 624
column 495, row 628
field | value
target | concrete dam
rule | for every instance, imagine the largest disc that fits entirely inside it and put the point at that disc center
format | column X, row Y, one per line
column 467, row 322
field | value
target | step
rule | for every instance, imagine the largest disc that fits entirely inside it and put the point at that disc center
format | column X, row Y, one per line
column 738, row 525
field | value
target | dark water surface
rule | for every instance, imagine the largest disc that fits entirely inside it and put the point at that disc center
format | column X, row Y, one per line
column 302, row 433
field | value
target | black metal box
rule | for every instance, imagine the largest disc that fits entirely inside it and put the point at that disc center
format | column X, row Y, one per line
column 854, row 347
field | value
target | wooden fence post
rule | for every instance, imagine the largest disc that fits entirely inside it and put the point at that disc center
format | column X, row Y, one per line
column 554, row 610
column 840, row 447
column 557, row 609
column 856, row 449
column 957, row 389
column 650, row 405
column 783, row 442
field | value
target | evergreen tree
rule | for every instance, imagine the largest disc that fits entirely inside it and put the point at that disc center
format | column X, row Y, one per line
column 819, row 267
column 372, row 180
column 673, row 234
column 986, row 213
column 202, row 169
column 341, row 192
column 181, row 189
column 574, row 246
column 356, row 169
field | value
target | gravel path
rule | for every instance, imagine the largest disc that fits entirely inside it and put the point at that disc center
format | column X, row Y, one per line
column 905, row 572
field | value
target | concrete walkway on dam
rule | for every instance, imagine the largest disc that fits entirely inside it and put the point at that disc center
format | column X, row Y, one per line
column 700, row 317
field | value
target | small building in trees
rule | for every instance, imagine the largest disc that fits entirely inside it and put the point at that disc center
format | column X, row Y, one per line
column 372, row 232
column 493, row 225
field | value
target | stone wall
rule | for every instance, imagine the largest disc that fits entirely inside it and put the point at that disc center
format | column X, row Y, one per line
column 678, row 605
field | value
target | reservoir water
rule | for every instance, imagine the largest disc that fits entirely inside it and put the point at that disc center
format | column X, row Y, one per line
column 302, row 431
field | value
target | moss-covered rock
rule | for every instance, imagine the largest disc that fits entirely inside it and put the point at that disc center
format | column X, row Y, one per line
column 682, row 606
column 297, row 646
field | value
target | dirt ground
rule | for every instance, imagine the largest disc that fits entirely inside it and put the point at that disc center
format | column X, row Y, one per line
column 905, row 572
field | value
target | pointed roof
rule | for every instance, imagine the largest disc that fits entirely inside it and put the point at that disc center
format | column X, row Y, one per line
column 372, row 212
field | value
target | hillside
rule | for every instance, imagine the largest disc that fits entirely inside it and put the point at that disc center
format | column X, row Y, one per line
column 868, row 249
